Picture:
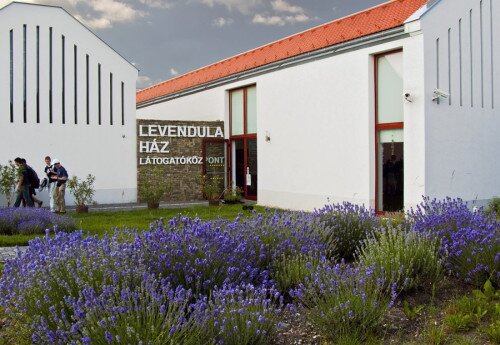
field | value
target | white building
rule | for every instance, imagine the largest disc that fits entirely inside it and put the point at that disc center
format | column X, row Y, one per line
column 65, row 93
column 315, row 117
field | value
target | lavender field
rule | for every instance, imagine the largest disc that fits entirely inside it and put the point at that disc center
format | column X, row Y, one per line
column 188, row 281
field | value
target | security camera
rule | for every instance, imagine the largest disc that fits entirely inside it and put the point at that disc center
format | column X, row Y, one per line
column 440, row 93
column 408, row 97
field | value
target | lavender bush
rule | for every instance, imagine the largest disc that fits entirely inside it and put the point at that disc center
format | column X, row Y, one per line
column 402, row 256
column 151, row 313
column 279, row 233
column 199, row 255
column 344, row 227
column 36, row 287
column 244, row 314
column 29, row 221
column 470, row 240
column 344, row 301
column 290, row 270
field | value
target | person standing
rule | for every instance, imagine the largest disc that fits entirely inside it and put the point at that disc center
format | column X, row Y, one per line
column 60, row 189
column 23, row 185
column 51, row 182
column 34, row 183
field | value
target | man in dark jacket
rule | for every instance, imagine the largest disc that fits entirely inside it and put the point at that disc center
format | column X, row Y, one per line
column 23, row 184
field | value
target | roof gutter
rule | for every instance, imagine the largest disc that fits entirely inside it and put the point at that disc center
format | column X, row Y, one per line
column 362, row 42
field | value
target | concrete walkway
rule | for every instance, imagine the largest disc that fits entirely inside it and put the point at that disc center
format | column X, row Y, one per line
column 137, row 206
column 9, row 252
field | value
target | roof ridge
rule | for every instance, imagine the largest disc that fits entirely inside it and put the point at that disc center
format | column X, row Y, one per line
column 330, row 40
column 269, row 43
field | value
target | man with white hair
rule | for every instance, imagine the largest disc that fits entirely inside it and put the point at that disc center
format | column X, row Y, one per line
column 60, row 189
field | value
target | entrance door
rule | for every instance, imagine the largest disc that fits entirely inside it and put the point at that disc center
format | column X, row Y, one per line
column 243, row 125
column 390, row 170
column 389, row 124
column 244, row 166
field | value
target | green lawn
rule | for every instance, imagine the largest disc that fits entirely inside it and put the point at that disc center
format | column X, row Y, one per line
column 101, row 222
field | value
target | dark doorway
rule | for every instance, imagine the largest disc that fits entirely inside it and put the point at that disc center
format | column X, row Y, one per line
column 244, row 166
column 391, row 175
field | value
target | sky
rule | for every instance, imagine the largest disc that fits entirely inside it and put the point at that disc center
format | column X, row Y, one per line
column 167, row 38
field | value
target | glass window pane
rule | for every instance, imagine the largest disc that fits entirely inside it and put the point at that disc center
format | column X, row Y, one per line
column 391, row 135
column 237, row 112
column 251, row 173
column 390, row 88
column 252, row 110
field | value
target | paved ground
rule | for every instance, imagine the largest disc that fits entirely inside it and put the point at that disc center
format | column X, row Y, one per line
column 135, row 206
column 9, row 252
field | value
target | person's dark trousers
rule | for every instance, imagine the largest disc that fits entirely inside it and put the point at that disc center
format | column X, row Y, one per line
column 25, row 193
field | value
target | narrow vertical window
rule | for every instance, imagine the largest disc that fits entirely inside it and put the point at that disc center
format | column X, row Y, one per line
column 75, row 70
column 449, row 65
column 63, row 74
column 460, row 60
column 437, row 66
column 25, row 110
column 482, row 51
column 99, row 100
column 492, row 48
column 50, row 76
column 87, row 88
column 111, row 98
column 38, row 74
column 471, row 61
column 123, row 103
column 11, row 75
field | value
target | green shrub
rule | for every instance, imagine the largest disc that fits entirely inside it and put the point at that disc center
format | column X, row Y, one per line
column 82, row 190
column 148, row 313
column 345, row 227
column 435, row 335
column 243, row 314
column 460, row 322
column 289, row 270
column 493, row 331
column 494, row 206
column 405, row 257
column 8, row 177
column 346, row 304
column 232, row 195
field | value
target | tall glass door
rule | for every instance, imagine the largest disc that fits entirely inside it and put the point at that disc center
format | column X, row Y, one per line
column 244, row 166
column 390, row 191
column 389, row 124
column 243, row 124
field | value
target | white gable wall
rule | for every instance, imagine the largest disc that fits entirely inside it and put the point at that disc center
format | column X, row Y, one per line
column 106, row 151
column 463, row 138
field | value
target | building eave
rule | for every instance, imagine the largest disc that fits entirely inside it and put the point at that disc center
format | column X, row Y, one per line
column 359, row 43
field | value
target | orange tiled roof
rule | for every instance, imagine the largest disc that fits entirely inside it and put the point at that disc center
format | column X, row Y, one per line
column 383, row 17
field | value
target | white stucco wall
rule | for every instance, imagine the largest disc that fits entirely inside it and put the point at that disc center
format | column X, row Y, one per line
column 462, row 133
column 320, row 117
column 106, row 151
